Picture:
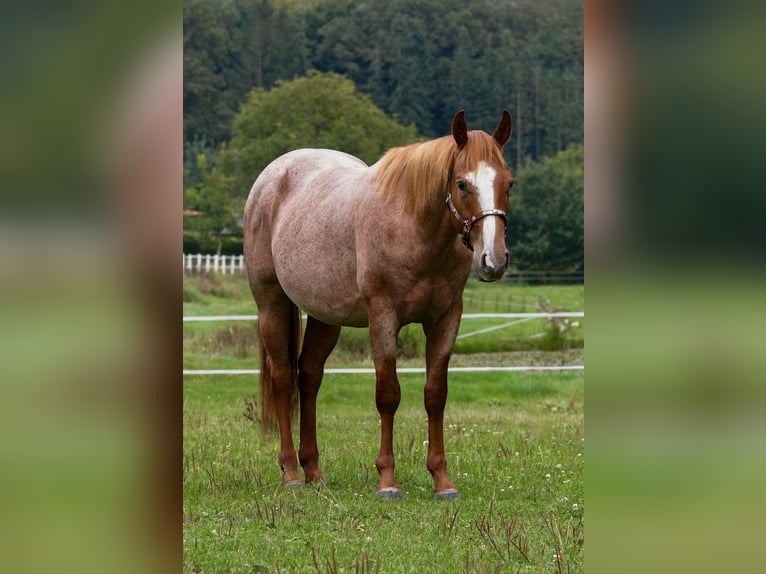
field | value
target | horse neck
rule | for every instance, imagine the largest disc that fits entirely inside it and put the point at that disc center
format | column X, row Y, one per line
column 434, row 226
column 437, row 226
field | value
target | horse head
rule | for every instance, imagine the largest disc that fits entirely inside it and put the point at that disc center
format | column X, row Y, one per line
column 477, row 194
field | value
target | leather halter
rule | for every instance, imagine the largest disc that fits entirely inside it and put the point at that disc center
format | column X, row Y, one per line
column 469, row 223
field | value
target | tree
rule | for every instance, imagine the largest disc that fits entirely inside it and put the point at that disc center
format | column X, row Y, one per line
column 419, row 61
column 218, row 213
column 207, row 49
column 317, row 110
column 545, row 219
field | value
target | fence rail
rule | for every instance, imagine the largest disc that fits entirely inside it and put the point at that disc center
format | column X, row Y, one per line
column 544, row 277
column 400, row 370
column 231, row 264
column 561, row 314
column 520, row 318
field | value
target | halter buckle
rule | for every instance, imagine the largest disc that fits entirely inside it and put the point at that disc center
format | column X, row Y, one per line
column 468, row 225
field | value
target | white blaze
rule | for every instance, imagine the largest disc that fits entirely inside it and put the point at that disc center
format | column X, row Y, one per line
column 483, row 179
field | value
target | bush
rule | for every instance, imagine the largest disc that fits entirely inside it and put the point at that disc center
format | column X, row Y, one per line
column 191, row 293
column 353, row 345
column 411, row 343
column 195, row 243
column 216, row 284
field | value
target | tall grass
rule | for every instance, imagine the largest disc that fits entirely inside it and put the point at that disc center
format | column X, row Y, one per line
column 515, row 449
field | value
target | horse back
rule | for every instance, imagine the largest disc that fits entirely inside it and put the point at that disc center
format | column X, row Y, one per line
column 297, row 173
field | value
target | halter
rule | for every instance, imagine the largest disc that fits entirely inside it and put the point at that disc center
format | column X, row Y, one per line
column 468, row 224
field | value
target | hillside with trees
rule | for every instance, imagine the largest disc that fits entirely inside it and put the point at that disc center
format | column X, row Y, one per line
column 254, row 71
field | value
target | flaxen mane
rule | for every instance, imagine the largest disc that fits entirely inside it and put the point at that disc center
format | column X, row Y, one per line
column 418, row 172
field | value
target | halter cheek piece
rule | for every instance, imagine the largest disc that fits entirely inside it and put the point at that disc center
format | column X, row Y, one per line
column 469, row 223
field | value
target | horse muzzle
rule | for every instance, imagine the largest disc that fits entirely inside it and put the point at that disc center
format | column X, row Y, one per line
column 490, row 268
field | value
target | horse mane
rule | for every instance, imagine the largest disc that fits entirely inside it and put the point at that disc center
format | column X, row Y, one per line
column 419, row 171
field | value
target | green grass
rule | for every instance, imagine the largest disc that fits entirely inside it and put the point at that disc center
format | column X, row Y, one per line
column 503, row 297
column 514, row 444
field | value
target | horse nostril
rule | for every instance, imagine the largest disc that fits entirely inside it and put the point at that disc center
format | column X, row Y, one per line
column 486, row 262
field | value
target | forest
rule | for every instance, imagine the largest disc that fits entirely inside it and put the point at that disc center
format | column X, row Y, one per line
column 255, row 71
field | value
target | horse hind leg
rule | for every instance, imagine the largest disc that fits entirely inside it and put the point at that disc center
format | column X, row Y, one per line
column 318, row 342
column 279, row 326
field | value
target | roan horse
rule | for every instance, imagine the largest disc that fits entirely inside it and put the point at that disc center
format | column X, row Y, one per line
column 379, row 246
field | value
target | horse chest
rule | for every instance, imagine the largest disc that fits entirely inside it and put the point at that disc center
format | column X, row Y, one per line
column 428, row 300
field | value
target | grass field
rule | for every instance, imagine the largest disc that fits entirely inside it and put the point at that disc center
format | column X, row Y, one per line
column 514, row 443
column 515, row 450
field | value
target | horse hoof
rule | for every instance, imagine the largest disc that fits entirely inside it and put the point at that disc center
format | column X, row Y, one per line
column 390, row 493
column 294, row 484
column 449, row 494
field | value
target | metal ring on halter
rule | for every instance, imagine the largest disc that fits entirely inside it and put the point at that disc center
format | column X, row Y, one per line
column 467, row 225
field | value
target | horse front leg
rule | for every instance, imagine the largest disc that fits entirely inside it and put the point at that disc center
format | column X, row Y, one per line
column 440, row 339
column 384, row 329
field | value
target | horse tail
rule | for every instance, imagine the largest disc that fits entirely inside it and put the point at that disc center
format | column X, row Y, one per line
column 269, row 420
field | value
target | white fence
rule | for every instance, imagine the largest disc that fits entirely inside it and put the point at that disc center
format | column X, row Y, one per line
column 197, row 263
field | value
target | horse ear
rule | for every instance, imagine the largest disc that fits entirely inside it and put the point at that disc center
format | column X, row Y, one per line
column 459, row 129
column 503, row 130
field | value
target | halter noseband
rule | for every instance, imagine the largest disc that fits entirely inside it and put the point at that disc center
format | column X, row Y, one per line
column 468, row 224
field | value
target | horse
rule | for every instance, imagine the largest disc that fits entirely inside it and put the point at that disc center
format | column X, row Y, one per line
column 377, row 246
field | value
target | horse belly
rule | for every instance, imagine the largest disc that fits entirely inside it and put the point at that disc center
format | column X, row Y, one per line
column 326, row 299
column 320, row 276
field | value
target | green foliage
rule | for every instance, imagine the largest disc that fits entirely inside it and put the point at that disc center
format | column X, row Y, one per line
column 230, row 46
column 208, row 45
column 204, row 243
column 546, row 213
column 219, row 209
column 421, row 61
column 418, row 61
column 318, row 110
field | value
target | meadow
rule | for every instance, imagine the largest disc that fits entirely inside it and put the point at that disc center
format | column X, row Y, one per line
column 514, row 443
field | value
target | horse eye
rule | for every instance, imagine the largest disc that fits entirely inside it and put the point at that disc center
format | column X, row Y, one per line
column 461, row 186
